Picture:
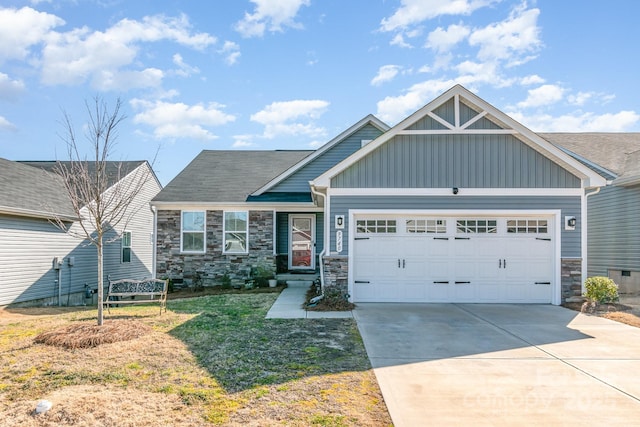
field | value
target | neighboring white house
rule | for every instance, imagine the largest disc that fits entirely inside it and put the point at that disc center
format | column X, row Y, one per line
column 42, row 264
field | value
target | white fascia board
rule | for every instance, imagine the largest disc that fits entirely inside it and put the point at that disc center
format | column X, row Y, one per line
column 306, row 207
column 368, row 119
column 461, row 192
column 589, row 177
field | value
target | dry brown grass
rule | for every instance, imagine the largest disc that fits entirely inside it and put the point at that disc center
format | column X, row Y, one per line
column 89, row 334
column 208, row 361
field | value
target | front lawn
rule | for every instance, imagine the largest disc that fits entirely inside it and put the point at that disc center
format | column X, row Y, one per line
column 209, row 360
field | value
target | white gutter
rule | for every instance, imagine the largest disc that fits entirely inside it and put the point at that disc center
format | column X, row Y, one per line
column 585, row 209
column 324, row 243
column 154, row 241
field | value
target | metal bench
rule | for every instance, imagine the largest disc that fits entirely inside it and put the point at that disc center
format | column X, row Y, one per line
column 155, row 290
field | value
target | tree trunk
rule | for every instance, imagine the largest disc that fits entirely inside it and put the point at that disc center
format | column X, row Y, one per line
column 100, row 283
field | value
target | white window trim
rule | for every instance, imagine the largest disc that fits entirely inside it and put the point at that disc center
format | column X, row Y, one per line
column 224, row 233
column 122, row 247
column 204, row 232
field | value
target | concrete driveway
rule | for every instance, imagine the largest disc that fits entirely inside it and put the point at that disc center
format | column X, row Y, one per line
column 502, row 365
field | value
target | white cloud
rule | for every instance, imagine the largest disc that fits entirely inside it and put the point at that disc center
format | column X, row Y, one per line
column 512, row 40
column 412, row 12
column 10, row 89
column 398, row 40
column 184, row 69
column 81, row 54
column 543, row 95
column 291, row 118
column 270, row 15
column 393, row 108
column 231, row 52
column 385, row 74
column 533, row 79
column 579, row 122
column 6, row 124
column 442, row 40
column 20, row 29
column 178, row 120
column 243, row 141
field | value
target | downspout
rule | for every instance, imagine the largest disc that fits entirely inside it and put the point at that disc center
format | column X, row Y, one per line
column 585, row 211
column 322, row 253
column 154, row 241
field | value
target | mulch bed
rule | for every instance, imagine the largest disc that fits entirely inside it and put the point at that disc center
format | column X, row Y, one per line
column 86, row 335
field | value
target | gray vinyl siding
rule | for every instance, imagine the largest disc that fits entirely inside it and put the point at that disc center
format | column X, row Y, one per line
column 299, row 180
column 464, row 161
column 282, row 232
column 613, row 230
column 28, row 246
column 569, row 205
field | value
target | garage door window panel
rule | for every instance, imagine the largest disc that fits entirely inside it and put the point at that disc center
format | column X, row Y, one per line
column 376, row 226
column 527, row 226
column 429, row 226
column 476, row 226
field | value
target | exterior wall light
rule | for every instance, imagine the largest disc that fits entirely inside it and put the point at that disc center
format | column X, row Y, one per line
column 455, row 190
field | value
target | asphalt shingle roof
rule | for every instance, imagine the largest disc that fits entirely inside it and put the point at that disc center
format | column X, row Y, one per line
column 24, row 188
column 227, row 176
column 612, row 151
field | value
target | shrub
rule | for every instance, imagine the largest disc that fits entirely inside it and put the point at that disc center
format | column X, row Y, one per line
column 225, row 281
column 601, row 289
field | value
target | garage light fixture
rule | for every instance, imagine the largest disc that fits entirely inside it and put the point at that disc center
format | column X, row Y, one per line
column 455, row 190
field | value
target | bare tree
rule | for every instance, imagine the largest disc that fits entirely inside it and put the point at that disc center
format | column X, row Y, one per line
column 101, row 199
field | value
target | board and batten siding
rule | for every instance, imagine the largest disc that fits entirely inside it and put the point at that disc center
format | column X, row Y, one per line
column 569, row 205
column 29, row 245
column 299, row 180
column 455, row 160
column 614, row 230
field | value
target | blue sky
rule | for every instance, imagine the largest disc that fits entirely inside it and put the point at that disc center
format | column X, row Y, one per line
column 292, row 74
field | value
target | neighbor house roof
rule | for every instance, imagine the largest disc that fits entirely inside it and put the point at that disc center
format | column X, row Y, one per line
column 616, row 152
column 29, row 191
column 227, row 176
column 115, row 169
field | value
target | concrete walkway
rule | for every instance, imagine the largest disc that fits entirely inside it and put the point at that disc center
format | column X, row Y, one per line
column 289, row 306
column 502, row 365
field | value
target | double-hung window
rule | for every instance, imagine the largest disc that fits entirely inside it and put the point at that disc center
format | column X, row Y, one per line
column 126, row 246
column 236, row 231
column 193, row 232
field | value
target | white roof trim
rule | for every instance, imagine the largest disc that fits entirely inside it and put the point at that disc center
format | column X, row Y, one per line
column 589, row 177
column 368, row 119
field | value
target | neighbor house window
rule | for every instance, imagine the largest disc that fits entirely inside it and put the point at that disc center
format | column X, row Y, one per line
column 236, row 230
column 126, row 246
column 192, row 233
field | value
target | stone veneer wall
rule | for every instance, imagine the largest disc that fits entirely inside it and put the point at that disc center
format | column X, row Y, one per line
column 212, row 264
column 336, row 273
column 571, row 275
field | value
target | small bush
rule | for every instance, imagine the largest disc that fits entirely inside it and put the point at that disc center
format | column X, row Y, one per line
column 226, row 281
column 601, row 289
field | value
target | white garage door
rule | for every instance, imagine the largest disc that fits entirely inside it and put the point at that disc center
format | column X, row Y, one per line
column 453, row 259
